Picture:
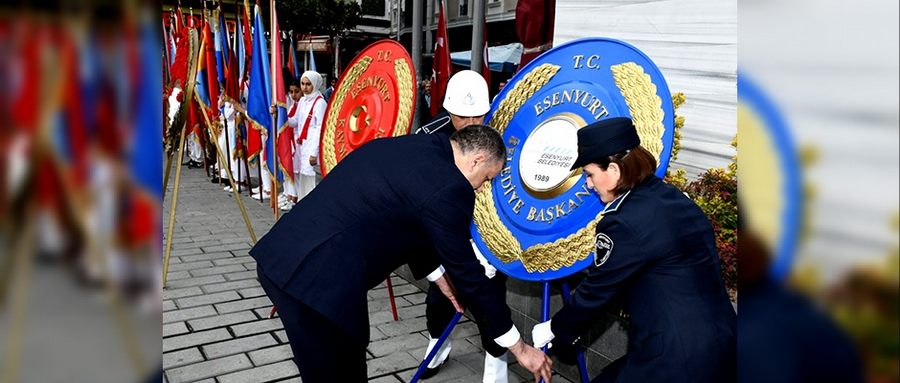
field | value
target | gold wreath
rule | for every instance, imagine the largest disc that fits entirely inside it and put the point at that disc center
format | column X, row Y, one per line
column 329, row 155
column 404, row 89
column 646, row 110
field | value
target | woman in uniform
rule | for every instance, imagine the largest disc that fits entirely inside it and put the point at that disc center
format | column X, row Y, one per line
column 655, row 255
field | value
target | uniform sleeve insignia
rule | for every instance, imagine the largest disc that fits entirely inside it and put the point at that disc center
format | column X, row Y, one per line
column 603, row 250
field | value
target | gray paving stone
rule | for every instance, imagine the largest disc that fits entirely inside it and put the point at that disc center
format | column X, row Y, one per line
column 180, row 293
column 208, row 299
column 185, row 314
column 263, row 312
column 207, row 256
column 233, row 285
column 176, row 328
column 233, row 261
column 241, row 275
column 385, row 379
column 408, row 342
column 271, row 354
column 176, row 275
column 375, row 334
column 209, row 369
column 168, row 306
column 217, row 270
column 262, row 374
column 190, row 265
column 257, row 327
column 391, row 363
column 195, row 339
column 282, row 336
column 407, row 326
column 221, row 320
column 195, row 281
column 181, row 358
column 252, row 292
column 238, row 345
column 228, row 247
column 184, row 252
column 244, row 304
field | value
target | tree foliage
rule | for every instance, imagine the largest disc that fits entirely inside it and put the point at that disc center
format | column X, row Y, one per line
column 318, row 17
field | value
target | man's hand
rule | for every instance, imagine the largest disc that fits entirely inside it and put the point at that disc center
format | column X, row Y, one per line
column 541, row 334
column 312, row 161
column 448, row 290
column 534, row 360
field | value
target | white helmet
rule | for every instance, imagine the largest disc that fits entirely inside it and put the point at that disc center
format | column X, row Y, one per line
column 467, row 95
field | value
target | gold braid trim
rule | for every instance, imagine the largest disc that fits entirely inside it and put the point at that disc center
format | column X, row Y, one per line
column 562, row 252
column 404, row 90
column 329, row 152
column 643, row 103
column 496, row 235
column 521, row 92
column 646, row 110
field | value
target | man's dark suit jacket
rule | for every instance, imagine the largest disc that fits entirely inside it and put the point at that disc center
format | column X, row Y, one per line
column 391, row 202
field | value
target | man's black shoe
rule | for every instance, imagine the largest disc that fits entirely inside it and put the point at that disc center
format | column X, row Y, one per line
column 429, row 372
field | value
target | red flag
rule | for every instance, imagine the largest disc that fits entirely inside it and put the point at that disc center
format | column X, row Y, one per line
column 247, row 47
column 284, row 146
column 440, row 72
column 212, row 79
column 534, row 25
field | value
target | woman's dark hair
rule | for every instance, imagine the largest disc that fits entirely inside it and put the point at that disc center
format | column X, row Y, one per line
column 635, row 166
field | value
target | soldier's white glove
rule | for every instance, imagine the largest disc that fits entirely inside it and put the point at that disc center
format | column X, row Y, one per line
column 541, row 334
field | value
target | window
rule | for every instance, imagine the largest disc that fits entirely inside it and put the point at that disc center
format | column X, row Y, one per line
column 372, row 7
column 463, row 7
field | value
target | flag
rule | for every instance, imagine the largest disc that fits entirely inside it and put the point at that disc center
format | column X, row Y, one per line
column 232, row 78
column 312, row 59
column 260, row 94
column 146, row 160
column 240, row 50
column 247, row 32
column 293, row 64
column 207, row 83
column 220, row 34
column 485, row 66
column 440, row 70
column 534, row 26
column 70, row 138
column 284, row 135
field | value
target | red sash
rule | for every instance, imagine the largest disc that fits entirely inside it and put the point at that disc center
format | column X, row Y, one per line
column 308, row 119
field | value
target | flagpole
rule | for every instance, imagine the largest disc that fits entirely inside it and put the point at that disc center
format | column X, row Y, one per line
column 168, row 250
column 273, row 199
column 237, row 198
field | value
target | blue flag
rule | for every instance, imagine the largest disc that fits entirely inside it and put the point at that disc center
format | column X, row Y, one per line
column 260, row 94
column 146, row 160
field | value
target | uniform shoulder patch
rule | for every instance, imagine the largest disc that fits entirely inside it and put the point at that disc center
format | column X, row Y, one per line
column 604, row 246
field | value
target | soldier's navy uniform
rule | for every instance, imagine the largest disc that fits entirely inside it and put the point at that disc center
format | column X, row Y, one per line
column 440, row 125
column 655, row 255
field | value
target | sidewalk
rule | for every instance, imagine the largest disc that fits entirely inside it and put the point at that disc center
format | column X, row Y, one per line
column 214, row 320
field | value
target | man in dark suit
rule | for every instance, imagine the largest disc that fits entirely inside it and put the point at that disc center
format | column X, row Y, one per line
column 370, row 215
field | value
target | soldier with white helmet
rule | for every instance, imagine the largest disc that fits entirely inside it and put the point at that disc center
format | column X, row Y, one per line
column 465, row 103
